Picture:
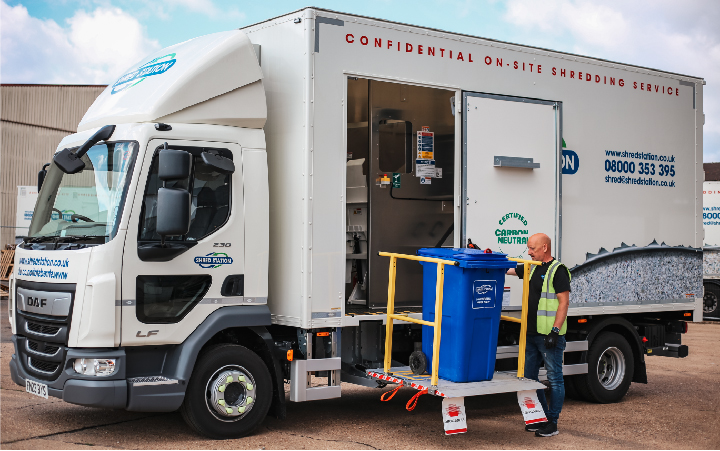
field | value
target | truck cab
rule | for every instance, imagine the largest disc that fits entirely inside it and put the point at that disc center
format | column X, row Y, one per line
column 109, row 306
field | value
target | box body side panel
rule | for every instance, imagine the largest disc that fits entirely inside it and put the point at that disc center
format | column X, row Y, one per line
column 283, row 57
column 643, row 121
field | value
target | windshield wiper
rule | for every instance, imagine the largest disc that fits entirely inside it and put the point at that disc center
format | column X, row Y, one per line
column 73, row 238
column 61, row 239
column 40, row 239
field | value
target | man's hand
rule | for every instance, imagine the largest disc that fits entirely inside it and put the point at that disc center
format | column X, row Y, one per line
column 551, row 340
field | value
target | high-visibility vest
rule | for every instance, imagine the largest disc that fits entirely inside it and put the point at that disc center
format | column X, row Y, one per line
column 548, row 305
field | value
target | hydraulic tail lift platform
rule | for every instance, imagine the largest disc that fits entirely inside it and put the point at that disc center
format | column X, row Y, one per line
column 453, row 392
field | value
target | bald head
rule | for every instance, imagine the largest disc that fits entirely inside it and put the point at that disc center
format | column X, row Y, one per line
column 539, row 247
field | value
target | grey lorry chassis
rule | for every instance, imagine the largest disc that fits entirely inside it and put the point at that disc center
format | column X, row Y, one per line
column 133, row 387
column 626, row 329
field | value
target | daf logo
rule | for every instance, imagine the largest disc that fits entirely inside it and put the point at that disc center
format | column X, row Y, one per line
column 37, row 302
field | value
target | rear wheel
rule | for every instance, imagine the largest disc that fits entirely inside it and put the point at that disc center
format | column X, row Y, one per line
column 571, row 391
column 229, row 393
column 711, row 306
column 610, row 369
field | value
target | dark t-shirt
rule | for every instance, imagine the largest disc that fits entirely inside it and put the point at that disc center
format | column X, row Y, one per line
column 561, row 283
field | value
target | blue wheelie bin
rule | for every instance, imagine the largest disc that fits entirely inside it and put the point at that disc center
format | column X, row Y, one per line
column 472, row 302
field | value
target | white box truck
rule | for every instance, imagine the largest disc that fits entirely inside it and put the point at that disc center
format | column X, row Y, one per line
column 711, row 249
column 231, row 194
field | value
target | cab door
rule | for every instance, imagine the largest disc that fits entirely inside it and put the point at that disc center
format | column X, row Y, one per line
column 164, row 301
column 511, row 176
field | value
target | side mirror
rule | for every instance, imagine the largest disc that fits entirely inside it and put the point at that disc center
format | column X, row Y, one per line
column 41, row 175
column 216, row 161
column 71, row 162
column 173, row 212
column 174, row 164
column 173, row 207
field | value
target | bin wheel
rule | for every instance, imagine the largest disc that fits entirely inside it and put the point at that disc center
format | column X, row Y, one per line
column 418, row 362
column 229, row 393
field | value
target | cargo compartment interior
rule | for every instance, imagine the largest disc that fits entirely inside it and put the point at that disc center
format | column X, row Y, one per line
column 392, row 205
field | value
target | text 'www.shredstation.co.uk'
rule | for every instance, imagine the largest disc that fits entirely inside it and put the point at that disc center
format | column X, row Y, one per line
column 645, row 172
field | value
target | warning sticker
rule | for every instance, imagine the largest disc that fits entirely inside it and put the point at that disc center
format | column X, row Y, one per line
column 531, row 408
column 506, row 297
column 454, row 420
column 425, row 168
column 425, row 145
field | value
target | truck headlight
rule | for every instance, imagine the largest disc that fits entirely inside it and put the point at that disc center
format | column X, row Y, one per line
column 94, row 367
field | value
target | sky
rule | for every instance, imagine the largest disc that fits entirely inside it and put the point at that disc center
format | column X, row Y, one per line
column 95, row 41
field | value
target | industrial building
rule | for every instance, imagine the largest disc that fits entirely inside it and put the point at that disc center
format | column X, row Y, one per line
column 34, row 120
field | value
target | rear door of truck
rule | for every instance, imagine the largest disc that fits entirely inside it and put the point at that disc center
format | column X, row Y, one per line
column 511, row 176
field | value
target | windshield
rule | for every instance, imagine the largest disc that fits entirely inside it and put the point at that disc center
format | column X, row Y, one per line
column 90, row 202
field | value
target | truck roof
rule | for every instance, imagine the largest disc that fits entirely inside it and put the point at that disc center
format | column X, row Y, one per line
column 211, row 79
column 330, row 11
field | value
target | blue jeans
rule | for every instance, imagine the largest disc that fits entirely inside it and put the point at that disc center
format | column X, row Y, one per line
column 535, row 354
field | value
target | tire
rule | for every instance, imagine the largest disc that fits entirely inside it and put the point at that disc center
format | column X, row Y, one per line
column 711, row 301
column 610, row 369
column 571, row 390
column 418, row 362
column 229, row 393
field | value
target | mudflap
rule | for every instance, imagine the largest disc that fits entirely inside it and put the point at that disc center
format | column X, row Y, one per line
column 531, row 408
column 454, row 419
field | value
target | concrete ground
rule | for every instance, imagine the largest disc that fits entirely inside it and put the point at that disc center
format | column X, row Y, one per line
column 678, row 409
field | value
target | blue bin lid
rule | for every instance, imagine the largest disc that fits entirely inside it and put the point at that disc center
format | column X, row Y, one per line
column 460, row 254
column 469, row 257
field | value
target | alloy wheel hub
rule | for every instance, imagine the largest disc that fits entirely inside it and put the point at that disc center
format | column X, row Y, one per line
column 611, row 368
column 710, row 302
column 232, row 393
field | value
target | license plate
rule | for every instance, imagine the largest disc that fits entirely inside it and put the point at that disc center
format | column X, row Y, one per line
column 36, row 388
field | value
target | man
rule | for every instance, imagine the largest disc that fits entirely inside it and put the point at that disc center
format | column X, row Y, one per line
column 548, row 302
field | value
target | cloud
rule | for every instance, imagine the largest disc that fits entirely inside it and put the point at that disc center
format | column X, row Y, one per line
column 93, row 48
column 208, row 8
column 681, row 37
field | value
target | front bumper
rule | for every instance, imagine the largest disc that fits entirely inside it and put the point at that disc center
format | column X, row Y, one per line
column 114, row 391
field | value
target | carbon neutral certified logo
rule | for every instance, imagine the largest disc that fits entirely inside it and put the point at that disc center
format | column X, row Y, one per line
column 214, row 260
column 512, row 234
column 157, row 66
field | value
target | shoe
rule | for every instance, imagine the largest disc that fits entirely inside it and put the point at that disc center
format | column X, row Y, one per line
column 548, row 430
column 535, row 426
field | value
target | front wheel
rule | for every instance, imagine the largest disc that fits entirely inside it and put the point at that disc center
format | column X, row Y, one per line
column 610, row 369
column 229, row 393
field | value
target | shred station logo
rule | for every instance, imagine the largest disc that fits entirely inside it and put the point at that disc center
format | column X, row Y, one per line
column 453, row 410
column 157, row 66
column 214, row 260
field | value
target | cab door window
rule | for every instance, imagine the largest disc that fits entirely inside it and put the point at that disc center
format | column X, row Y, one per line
column 210, row 197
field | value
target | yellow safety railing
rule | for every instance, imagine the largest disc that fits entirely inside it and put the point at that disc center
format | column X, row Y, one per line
column 523, row 314
column 437, row 324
